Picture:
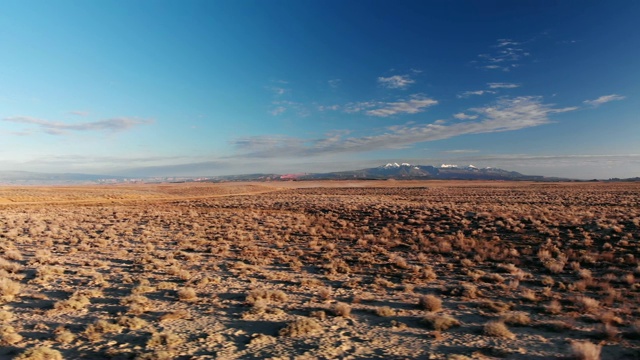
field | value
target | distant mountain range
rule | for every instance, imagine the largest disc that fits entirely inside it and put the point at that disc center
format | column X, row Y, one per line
column 27, row 177
column 402, row 171
column 407, row 171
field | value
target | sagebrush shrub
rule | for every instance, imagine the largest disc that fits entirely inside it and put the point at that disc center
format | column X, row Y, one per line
column 300, row 326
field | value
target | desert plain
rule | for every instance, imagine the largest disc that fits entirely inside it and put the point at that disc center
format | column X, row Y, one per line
column 321, row 270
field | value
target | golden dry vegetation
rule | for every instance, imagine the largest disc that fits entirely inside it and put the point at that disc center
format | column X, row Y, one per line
column 384, row 269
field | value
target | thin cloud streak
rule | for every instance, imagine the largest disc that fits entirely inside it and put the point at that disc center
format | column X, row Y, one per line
column 604, row 99
column 396, row 81
column 463, row 116
column 416, row 104
column 466, row 94
column 502, row 85
column 334, row 83
column 506, row 56
column 413, row 106
column 505, row 115
column 460, row 151
column 60, row 128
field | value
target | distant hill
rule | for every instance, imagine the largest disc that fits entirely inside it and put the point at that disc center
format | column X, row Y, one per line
column 633, row 179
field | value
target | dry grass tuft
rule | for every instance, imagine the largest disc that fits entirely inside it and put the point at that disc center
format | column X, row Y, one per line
column 318, row 314
column 325, row 293
column 187, row 294
column 587, row 305
column 585, row 350
column 529, row 295
column 13, row 254
column 166, row 285
column 466, row 290
column 516, row 318
column 95, row 331
column 495, row 306
column 6, row 316
column 137, row 304
column 341, row 309
column 430, row 303
column 9, row 336
column 132, row 323
column 9, row 266
column 164, row 340
column 385, row 311
column 40, row 353
column 63, row 335
column 497, row 328
column 609, row 332
column 264, row 295
column 553, row 307
column 300, row 326
column 440, row 322
column 76, row 301
column 8, row 289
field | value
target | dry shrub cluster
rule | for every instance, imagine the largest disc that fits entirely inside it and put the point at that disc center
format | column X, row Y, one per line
column 301, row 326
column 440, row 322
column 497, row 328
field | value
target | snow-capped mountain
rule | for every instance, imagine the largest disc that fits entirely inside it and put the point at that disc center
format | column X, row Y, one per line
column 395, row 165
column 408, row 171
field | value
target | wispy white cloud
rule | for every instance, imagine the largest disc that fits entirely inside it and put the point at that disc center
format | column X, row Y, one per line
column 466, row 94
column 359, row 106
column 604, row 99
column 276, row 90
column 277, row 110
column 61, row 128
column 334, row 83
column 396, row 81
column 414, row 105
column 496, row 85
column 506, row 42
column 280, row 107
column 507, row 114
column 506, row 55
column 460, row 151
column 328, row 107
column 519, row 112
column 463, row 116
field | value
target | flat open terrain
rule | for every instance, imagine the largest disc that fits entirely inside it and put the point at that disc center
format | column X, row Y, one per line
column 370, row 269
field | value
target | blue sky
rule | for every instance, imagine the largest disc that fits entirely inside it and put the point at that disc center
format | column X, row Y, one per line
column 146, row 88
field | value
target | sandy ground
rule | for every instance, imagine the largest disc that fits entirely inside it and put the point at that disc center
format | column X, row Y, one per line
column 321, row 270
